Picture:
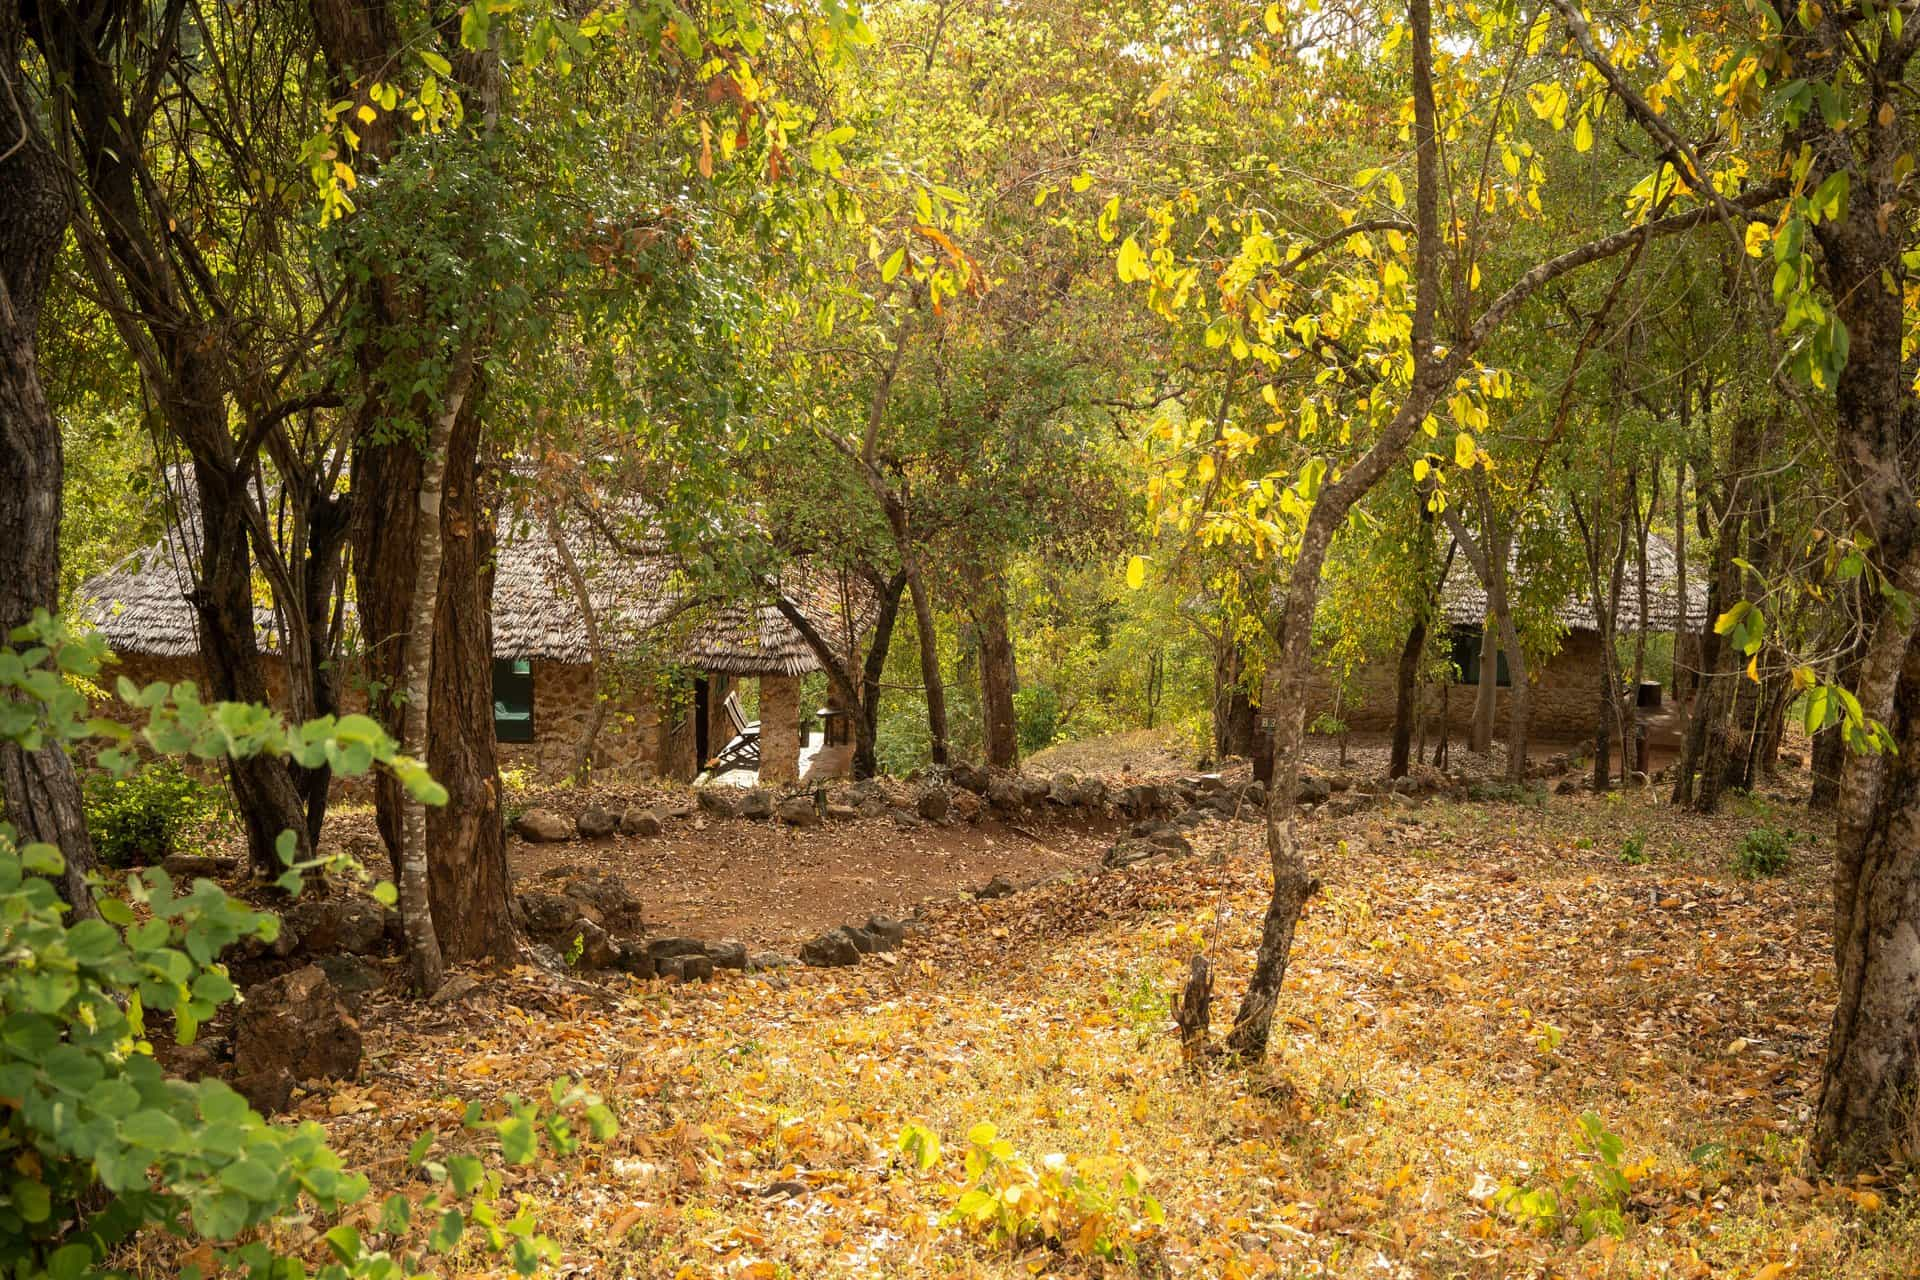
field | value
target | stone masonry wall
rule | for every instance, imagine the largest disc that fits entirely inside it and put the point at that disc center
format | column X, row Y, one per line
column 628, row 746
column 1565, row 694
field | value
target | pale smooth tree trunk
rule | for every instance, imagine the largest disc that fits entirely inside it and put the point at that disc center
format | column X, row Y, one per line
column 424, row 961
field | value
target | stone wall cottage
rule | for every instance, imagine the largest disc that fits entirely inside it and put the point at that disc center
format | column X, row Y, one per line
column 673, row 658
column 1565, row 685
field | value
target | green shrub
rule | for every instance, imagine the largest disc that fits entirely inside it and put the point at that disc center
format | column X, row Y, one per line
column 1764, row 852
column 1036, row 716
column 139, row 818
column 98, row 1148
column 1095, row 1207
column 1634, row 851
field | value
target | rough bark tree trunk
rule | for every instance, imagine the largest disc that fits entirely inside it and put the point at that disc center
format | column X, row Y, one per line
column 1234, row 717
column 932, row 682
column 999, row 731
column 40, row 788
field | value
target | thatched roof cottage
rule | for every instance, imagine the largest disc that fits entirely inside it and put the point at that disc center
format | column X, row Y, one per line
column 1566, row 687
column 672, row 656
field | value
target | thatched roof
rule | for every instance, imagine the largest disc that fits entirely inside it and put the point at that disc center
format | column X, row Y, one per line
column 640, row 600
column 1463, row 600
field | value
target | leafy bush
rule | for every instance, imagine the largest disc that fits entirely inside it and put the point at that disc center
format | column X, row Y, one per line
column 1036, row 717
column 1634, row 851
column 96, row 1145
column 1765, row 851
column 140, row 817
column 1328, row 725
column 1096, row 1208
column 1594, row 1200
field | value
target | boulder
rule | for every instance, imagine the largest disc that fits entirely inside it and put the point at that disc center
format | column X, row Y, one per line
column 684, row 968
column 727, row 955
column 874, row 806
column 1004, row 792
column 757, row 803
column 865, row 942
column 454, row 990
column 1064, row 789
column 798, row 811
column 542, row 826
column 719, row 802
column 293, row 1028
column 905, row 818
column 636, row 959
column 664, row 948
column 998, row 887
column 834, row 948
column 696, row 969
column 842, row 812
column 638, row 820
column 888, row 932
column 683, row 806
column 595, row 823
column 349, row 974
column 552, row 918
column 597, row 948
column 933, row 804
column 353, row 925
column 970, row 777
column 1312, row 791
column 1255, row 794
column 1171, row 840
column 766, row 961
column 1034, row 791
column 1126, row 853
column 188, row 866
column 614, row 903
column 1145, row 800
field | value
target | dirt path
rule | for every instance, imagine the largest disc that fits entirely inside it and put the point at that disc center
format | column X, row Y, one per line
column 773, row 886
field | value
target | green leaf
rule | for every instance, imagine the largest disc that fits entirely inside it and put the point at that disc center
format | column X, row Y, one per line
column 518, row 1142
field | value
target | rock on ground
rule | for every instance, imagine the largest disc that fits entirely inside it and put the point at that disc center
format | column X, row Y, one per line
column 542, row 826
column 799, row 811
column 832, row 949
column 638, row 820
column 290, row 1029
column 353, row 925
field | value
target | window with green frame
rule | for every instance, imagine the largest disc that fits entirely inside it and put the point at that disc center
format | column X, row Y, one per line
column 1466, row 657
column 512, row 700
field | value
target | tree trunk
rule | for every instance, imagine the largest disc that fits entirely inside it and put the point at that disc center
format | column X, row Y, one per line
column 590, row 620
column 930, row 677
column 1293, row 883
column 416, row 904
column 999, row 731
column 40, row 790
column 1405, row 688
column 466, row 839
column 1486, row 693
column 1233, row 710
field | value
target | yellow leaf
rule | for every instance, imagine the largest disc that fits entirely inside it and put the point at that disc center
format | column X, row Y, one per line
column 1206, row 468
column 1464, row 450
column 1753, row 668
column 1136, row 573
column 1758, row 233
column 1583, row 135
column 1421, row 469
column 1273, row 23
